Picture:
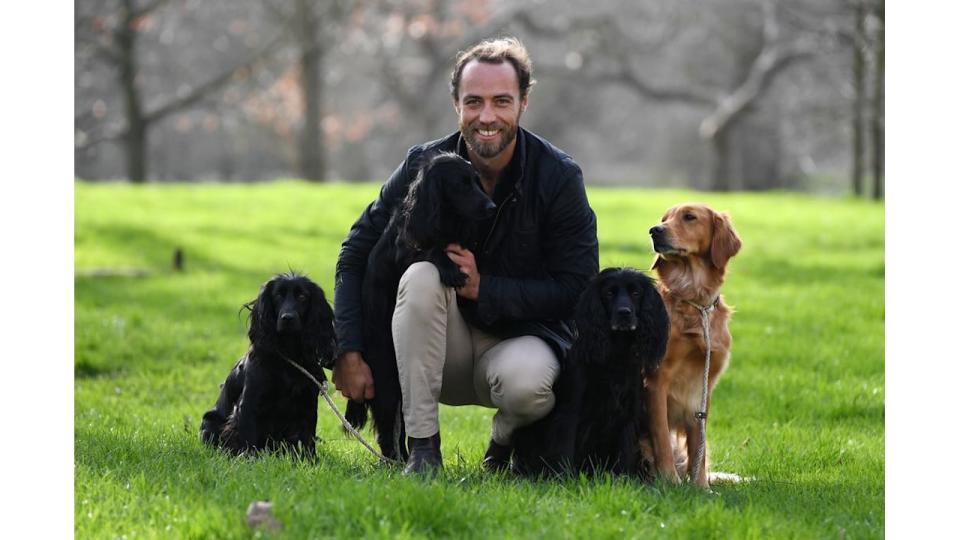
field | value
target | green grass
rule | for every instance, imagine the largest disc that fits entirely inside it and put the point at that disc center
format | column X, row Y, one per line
column 801, row 408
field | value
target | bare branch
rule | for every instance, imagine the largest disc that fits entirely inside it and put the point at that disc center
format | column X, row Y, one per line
column 772, row 59
column 147, row 9
column 621, row 47
column 212, row 85
column 627, row 77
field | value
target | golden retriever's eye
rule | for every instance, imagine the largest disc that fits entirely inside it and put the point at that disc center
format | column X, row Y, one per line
column 689, row 217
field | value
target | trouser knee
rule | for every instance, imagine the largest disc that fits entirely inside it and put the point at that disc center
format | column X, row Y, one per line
column 527, row 401
column 522, row 383
column 420, row 289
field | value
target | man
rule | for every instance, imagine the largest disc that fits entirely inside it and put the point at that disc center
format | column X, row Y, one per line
column 496, row 341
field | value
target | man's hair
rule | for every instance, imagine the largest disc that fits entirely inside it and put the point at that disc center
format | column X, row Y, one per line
column 496, row 51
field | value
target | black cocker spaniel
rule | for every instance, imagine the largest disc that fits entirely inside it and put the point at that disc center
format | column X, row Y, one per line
column 443, row 206
column 600, row 414
column 265, row 403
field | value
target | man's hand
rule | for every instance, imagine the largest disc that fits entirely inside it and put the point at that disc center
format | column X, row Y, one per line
column 352, row 377
column 464, row 259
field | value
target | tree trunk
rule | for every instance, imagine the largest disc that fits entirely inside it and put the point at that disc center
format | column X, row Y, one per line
column 136, row 135
column 857, row 152
column 312, row 158
column 877, row 118
column 720, row 160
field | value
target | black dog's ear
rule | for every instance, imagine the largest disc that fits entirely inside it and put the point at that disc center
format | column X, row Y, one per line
column 653, row 325
column 319, row 339
column 420, row 209
column 263, row 318
column 593, row 321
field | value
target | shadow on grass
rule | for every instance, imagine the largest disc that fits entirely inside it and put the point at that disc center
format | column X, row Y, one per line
column 85, row 369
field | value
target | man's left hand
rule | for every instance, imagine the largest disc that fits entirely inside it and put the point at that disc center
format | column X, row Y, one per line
column 465, row 260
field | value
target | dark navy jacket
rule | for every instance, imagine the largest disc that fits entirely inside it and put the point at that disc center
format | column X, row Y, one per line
column 534, row 260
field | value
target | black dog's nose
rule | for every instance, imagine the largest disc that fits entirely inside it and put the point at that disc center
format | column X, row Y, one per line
column 286, row 316
column 624, row 312
column 656, row 229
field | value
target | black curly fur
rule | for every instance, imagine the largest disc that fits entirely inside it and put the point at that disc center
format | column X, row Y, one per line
column 443, row 205
column 264, row 402
column 600, row 413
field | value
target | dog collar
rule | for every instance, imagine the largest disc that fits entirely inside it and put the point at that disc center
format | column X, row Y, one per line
column 705, row 309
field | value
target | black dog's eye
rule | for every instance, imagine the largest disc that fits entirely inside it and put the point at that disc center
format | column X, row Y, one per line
column 635, row 294
column 302, row 297
column 608, row 293
column 689, row 217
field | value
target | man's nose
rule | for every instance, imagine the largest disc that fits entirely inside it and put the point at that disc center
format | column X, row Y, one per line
column 486, row 114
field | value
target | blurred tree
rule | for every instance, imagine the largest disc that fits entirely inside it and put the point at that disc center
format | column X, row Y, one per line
column 759, row 57
column 724, row 94
column 858, row 45
column 114, row 29
column 315, row 27
column 877, row 116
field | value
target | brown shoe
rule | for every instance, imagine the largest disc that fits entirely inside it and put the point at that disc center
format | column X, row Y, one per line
column 425, row 458
column 497, row 457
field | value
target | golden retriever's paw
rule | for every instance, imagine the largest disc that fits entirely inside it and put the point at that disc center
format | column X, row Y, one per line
column 670, row 476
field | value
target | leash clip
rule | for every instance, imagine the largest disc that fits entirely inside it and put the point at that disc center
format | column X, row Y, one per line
column 700, row 415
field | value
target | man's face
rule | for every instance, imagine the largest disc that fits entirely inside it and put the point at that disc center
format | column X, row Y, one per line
column 489, row 107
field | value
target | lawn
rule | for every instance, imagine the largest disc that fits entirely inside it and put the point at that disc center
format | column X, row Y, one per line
column 800, row 409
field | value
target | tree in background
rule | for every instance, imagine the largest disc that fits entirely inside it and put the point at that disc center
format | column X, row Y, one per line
column 314, row 27
column 722, row 94
column 757, row 55
column 877, row 116
column 113, row 30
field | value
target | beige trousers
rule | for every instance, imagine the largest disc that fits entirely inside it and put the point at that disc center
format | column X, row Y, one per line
column 442, row 359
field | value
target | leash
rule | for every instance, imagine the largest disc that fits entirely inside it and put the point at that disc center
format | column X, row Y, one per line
column 701, row 415
column 323, row 391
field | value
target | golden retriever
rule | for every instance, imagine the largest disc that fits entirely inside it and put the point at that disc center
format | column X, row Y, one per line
column 693, row 245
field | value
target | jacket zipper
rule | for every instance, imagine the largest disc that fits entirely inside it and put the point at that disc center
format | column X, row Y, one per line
column 496, row 219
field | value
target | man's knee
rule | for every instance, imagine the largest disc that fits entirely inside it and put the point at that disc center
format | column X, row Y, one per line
column 523, row 386
column 420, row 287
column 528, row 401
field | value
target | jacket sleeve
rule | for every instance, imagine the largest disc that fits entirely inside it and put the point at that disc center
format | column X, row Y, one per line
column 354, row 252
column 571, row 258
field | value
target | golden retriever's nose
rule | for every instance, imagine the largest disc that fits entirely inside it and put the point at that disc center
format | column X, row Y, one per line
column 657, row 229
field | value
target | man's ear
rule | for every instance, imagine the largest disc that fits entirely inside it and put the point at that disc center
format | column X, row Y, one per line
column 456, row 106
column 523, row 103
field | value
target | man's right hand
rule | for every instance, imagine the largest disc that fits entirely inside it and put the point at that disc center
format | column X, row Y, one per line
column 352, row 377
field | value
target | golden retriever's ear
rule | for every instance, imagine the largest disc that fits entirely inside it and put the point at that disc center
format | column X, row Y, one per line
column 725, row 243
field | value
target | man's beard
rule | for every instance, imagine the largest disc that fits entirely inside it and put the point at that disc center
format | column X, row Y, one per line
column 488, row 150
